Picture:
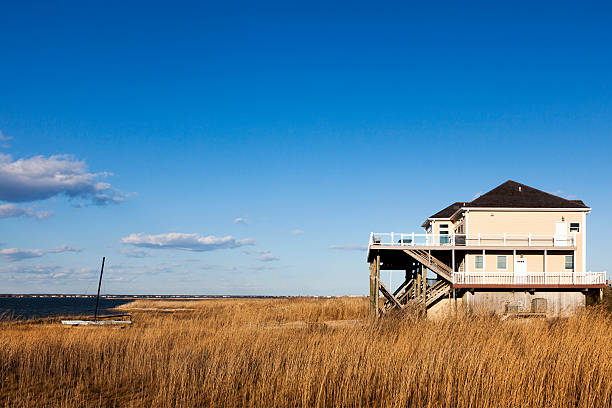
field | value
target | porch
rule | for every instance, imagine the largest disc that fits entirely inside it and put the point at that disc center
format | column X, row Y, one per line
column 411, row 239
column 497, row 279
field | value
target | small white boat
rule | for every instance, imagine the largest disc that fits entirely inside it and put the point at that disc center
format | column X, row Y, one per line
column 94, row 322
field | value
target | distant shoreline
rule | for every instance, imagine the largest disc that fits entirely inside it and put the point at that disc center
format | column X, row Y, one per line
column 61, row 295
column 58, row 295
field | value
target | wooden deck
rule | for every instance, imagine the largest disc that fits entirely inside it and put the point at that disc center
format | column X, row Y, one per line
column 511, row 286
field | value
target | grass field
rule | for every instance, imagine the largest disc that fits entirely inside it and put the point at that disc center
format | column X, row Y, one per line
column 306, row 352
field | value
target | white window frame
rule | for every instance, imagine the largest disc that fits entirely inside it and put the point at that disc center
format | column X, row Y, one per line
column 497, row 262
column 476, row 262
column 565, row 262
column 577, row 228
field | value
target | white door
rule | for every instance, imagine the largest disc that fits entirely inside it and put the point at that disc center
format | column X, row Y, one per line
column 520, row 270
column 561, row 233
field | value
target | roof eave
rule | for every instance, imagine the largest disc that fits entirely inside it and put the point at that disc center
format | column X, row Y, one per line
column 428, row 221
column 556, row 209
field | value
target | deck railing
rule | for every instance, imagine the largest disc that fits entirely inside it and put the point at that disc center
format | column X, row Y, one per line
column 502, row 240
column 529, row 278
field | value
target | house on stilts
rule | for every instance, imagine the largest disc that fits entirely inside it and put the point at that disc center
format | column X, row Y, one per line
column 514, row 250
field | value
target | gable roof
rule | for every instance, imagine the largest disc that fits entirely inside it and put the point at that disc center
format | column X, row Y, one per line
column 579, row 202
column 515, row 195
column 450, row 210
column 512, row 195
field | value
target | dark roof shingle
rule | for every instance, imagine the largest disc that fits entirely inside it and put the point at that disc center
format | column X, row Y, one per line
column 450, row 210
column 513, row 195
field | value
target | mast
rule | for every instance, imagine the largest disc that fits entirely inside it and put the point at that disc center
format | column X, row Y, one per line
column 99, row 284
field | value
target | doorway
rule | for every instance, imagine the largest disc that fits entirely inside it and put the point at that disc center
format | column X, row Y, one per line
column 520, row 270
column 561, row 233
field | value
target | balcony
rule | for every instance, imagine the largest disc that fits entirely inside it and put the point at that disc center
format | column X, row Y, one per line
column 529, row 279
column 395, row 239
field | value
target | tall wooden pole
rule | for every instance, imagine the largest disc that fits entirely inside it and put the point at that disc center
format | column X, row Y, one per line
column 99, row 284
column 425, row 287
column 372, row 289
column 376, row 290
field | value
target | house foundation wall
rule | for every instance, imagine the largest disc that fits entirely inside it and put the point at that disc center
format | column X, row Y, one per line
column 556, row 303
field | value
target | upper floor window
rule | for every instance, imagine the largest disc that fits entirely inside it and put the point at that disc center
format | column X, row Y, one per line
column 569, row 261
column 502, row 262
column 478, row 262
column 574, row 227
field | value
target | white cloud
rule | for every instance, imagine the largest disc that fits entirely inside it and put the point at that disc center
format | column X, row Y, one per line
column 28, row 268
column 297, row 232
column 134, row 253
column 4, row 139
column 560, row 193
column 349, row 247
column 16, row 254
column 42, row 274
column 263, row 251
column 41, row 177
column 185, row 242
column 268, row 258
column 262, row 268
column 241, row 220
column 12, row 210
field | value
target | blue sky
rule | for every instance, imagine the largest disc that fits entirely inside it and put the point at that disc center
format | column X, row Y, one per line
column 130, row 125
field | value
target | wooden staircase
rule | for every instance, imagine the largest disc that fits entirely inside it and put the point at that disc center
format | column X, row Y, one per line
column 402, row 294
column 432, row 263
column 438, row 290
column 413, row 292
column 407, row 294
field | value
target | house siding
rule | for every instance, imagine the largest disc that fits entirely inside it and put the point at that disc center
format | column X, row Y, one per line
column 534, row 222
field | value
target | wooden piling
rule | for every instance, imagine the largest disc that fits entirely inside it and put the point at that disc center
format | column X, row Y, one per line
column 424, row 273
column 376, row 291
column 374, row 286
column 372, row 289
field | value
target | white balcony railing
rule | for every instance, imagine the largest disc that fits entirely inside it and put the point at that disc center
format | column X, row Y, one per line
column 529, row 278
column 502, row 240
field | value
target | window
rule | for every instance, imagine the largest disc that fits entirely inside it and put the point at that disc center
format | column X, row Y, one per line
column 569, row 261
column 444, row 238
column 502, row 262
column 478, row 261
column 443, row 226
column 574, row 227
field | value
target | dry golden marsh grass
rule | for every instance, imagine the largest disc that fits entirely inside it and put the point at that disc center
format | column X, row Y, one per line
column 235, row 353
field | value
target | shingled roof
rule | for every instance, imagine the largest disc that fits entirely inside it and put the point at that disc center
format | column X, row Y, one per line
column 513, row 195
column 450, row 210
